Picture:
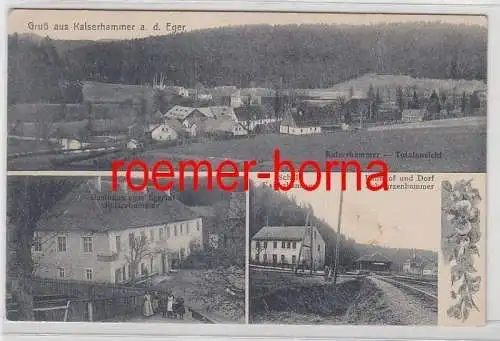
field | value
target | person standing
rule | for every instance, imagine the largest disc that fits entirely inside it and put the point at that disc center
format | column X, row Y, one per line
column 147, row 310
column 156, row 302
column 170, row 305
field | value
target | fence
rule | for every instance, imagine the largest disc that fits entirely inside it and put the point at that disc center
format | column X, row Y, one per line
column 57, row 300
column 104, row 309
column 80, row 289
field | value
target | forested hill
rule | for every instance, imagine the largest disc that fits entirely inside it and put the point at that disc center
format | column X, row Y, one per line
column 308, row 56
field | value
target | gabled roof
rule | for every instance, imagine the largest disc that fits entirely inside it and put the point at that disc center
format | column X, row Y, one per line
column 207, row 111
column 280, row 233
column 375, row 257
column 310, row 116
column 252, row 113
column 81, row 210
column 174, row 124
column 179, row 112
column 218, row 111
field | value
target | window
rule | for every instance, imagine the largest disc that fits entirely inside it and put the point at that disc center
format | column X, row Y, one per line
column 257, row 258
column 265, row 258
column 294, row 259
column 168, row 232
column 175, row 230
column 183, row 253
column 288, row 245
column 61, row 243
column 118, row 243
column 143, row 237
column 265, row 245
column 152, row 235
column 283, row 260
column 257, row 245
column 60, row 272
column 187, row 228
column 275, row 259
column 89, row 274
column 294, row 245
column 198, row 225
column 180, row 229
column 87, row 244
column 319, row 248
column 161, row 236
column 37, row 243
column 275, row 245
column 283, row 245
column 131, row 240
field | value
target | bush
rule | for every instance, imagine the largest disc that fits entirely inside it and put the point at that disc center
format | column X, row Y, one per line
column 212, row 259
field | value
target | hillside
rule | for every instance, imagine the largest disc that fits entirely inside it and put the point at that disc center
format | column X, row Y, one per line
column 404, row 81
column 297, row 56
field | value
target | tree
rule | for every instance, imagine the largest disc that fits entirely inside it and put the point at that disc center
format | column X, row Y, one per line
column 27, row 199
column 139, row 250
column 453, row 70
column 415, row 103
column 475, row 102
column 400, row 100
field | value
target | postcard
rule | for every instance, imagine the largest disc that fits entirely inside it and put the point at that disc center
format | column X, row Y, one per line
column 89, row 86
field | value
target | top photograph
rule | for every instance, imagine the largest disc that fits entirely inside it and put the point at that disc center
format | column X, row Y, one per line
column 86, row 87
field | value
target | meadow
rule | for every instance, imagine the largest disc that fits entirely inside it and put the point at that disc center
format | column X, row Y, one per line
column 462, row 147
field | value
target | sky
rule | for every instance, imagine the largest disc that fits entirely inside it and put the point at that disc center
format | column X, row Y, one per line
column 409, row 219
column 19, row 20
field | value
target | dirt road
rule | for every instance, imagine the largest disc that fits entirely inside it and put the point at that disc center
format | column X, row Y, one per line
column 409, row 310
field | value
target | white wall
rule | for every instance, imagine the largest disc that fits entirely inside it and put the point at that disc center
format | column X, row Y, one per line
column 299, row 131
column 75, row 261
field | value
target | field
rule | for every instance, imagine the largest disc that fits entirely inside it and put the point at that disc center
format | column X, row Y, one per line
column 463, row 148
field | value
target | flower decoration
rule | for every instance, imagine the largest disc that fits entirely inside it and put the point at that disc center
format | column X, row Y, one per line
column 463, row 215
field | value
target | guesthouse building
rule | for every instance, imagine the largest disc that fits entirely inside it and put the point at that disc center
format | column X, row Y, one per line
column 94, row 234
column 289, row 247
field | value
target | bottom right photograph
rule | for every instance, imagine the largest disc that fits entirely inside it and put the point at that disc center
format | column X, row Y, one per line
column 411, row 255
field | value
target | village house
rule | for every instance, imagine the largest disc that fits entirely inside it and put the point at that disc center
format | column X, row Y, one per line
column 430, row 269
column 419, row 265
column 288, row 246
column 167, row 130
column 236, row 99
column 251, row 116
column 189, row 117
column 222, row 125
column 93, row 234
column 177, row 91
column 387, row 111
column 414, row 115
column 300, row 122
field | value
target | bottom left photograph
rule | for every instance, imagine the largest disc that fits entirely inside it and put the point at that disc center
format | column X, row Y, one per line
column 80, row 250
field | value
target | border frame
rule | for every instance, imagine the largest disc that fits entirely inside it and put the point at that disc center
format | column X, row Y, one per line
column 84, row 331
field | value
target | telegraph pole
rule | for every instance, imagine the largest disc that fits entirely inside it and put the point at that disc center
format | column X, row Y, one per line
column 312, row 249
column 337, row 243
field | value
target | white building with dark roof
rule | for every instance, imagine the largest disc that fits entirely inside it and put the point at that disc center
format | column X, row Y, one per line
column 288, row 246
column 92, row 234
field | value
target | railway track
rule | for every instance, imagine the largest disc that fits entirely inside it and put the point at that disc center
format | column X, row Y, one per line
column 426, row 291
